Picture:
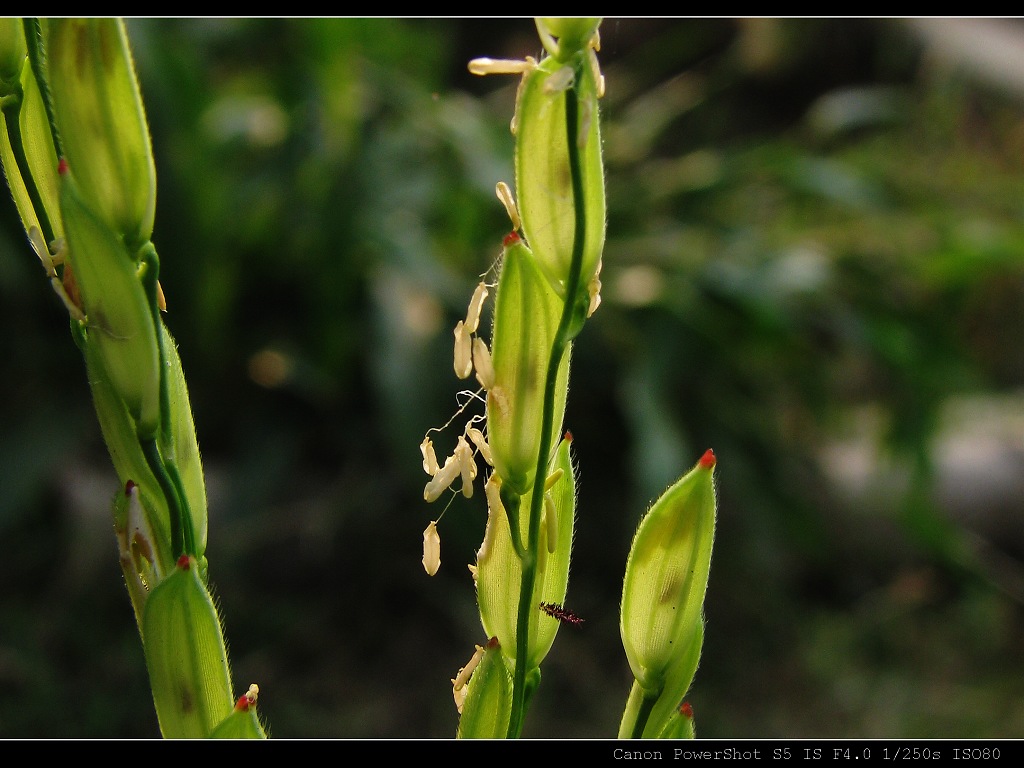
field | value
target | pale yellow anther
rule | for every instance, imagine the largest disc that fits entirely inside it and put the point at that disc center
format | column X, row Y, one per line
column 476, row 305
column 495, row 509
column 486, row 66
column 444, row 477
column 431, row 549
column 505, row 195
column 477, row 438
column 483, row 364
column 252, row 694
column 550, row 523
column 492, row 490
column 430, row 465
column 467, row 671
column 594, row 290
column 472, row 571
column 459, row 696
column 553, row 478
column 463, row 351
column 595, row 69
column 467, row 466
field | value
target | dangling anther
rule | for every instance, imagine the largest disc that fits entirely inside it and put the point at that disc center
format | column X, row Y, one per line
column 431, row 549
column 505, row 195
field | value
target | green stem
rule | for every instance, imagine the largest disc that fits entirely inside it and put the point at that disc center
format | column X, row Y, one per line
column 643, row 715
column 527, row 610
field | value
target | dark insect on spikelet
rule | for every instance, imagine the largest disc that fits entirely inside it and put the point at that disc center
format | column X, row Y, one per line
column 564, row 615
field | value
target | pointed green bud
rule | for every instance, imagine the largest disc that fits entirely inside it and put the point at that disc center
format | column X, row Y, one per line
column 667, row 575
column 526, row 315
column 487, row 705
column 543, row 180
column 563, row 38
column 120, row 321
column 186, row 656
column 499, row 569
column 102, row 124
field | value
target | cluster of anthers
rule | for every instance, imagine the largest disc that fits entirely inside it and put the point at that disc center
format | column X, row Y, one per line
column 471, row 353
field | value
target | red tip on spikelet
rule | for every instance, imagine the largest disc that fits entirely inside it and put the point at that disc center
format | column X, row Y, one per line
column 707, row 461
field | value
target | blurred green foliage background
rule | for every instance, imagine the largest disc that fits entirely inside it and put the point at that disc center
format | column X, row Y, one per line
column 815, row 266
